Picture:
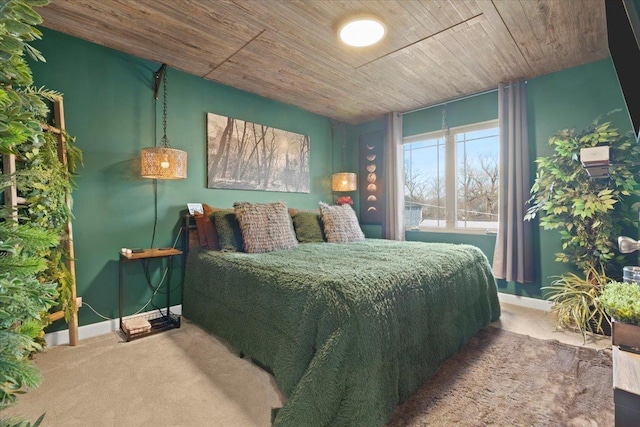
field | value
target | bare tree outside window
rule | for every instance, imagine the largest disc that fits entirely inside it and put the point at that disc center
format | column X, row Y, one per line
column 473, row 155
column 251, row 156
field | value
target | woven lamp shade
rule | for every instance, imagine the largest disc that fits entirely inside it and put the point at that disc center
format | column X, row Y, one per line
column 344, row 181
column 163, row 163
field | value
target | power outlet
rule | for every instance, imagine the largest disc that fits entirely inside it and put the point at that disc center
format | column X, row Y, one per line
column 78, row 302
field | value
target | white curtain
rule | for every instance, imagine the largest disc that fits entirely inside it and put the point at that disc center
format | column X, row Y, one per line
column 393, row 228
column 513, row 258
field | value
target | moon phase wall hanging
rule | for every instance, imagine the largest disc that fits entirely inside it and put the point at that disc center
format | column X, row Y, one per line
column 371, row 178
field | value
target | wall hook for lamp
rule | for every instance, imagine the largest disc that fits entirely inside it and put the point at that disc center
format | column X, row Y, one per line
column 158, row 77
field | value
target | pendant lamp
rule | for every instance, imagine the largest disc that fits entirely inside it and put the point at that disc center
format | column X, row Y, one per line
column 163, row 162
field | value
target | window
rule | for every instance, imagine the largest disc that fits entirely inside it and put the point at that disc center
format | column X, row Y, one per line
column 451, row 180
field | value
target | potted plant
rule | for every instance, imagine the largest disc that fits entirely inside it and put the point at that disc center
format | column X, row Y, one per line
column 588, row 214
column 577, row 304
column 621, row 300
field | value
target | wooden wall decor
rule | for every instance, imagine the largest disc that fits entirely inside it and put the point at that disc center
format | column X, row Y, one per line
column 371, row 178
column 250, row 156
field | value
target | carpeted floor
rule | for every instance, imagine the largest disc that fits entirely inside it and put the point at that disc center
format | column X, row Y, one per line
column 186, row 377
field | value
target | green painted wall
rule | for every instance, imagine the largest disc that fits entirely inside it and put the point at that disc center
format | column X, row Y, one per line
column 110, row 109
column 476, row 109
column 568, row 99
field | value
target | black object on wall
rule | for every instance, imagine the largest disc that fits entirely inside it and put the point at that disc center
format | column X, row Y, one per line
column 623, row 32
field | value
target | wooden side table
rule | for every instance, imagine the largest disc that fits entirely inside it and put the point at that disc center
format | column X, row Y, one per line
column 161, row 323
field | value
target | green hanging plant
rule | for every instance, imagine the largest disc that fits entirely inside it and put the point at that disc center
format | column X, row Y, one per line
column 33, row 273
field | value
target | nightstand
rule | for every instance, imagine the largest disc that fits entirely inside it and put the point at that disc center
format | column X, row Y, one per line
column 166, row 320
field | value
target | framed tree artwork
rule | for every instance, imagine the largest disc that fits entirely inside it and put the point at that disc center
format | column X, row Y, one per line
column 371, row 176
column 250, row 156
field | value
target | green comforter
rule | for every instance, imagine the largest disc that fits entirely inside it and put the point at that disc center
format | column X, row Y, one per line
column 348, row 330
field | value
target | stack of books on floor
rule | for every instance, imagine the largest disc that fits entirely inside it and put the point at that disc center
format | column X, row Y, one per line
column 136, row 325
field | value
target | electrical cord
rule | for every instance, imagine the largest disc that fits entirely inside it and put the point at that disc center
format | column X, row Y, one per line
column 155, row 212
column 147, row 262
column 94, row 310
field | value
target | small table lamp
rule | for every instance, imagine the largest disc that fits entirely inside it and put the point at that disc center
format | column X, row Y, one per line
column 344, row 181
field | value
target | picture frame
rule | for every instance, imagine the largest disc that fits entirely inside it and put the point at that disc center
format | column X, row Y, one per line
column 250, row 156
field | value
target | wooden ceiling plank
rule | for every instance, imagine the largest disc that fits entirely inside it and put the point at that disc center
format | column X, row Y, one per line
column 531, row 45
column 118, row 33
column 292, row 80
column 98, row 33
column 256, row 85
column 323, row 69
column 501, row 36
column 493, row 63
column 299, row 60
column 286, row 61
column 208, row 30
column 468, row 44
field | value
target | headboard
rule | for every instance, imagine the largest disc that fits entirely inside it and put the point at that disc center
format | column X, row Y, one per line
column 189, row 233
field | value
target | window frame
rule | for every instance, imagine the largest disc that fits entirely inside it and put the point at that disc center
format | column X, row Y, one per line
column 451, row 170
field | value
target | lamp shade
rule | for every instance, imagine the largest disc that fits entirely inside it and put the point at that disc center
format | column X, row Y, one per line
column 344, row 181
column 163, row 163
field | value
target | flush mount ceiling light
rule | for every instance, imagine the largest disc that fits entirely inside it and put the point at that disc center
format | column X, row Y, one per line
column 362, row 31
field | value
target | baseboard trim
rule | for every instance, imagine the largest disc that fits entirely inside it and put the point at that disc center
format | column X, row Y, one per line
column 101, row 328
column 538, row 304
column 92, row 330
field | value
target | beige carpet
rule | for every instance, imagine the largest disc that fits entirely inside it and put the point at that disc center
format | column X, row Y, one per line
column 186, row 377
column 181, row 377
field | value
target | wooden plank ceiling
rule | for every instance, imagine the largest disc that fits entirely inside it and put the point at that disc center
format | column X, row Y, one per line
column 287, row 50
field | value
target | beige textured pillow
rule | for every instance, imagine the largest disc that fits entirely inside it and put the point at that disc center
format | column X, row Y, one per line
column 265, row 227
column 340, row 224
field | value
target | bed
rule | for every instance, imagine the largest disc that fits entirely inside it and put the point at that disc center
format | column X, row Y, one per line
column 348, row 330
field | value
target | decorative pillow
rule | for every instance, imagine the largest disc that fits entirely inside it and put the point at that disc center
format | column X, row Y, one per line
column 265, row 227
column 229, row 235
column 207, row 233
column 340, row 224
column 308, row 226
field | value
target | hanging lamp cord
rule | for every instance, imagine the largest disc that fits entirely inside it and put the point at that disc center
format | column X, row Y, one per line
column 164, row 142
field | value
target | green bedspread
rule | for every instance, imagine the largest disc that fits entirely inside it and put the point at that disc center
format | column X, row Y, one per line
column 348, row 330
